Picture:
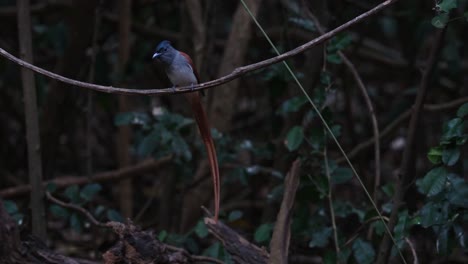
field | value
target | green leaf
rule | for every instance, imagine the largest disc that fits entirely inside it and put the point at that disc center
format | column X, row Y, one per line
column 184, row 122
column 431, row 214
column 440, row 20
column 51, row 187
column 325, row 78
column 162, row 235
column 389, row 189
column 99, row 210
column 459, row 232
column 304, row 23
column 463, row 110
column 213, row 251
column 363, row 252
column 329, row 257
column 292, row 105
column 334, row 58
column 59, row 211
column 435, row 155
column 115, row 216
column 344, row 255
column 450, row 156
column 342, row 175
column 149, row 144
column 131, row 118
column 453, row 129
column 442, row 243
column 447, row 5
column 73, row 194
column 294, row 138
column 339, row 42
column 402, row 226
column 180, row 147
column 201, row 230
column 75, row 223
column 336, row 130
column 459, row 193
column 89, row 191
column 466, row 15
column 433, row 182
column 10, row 207
column 235, row 215
column 263, row 233
column 321, row 237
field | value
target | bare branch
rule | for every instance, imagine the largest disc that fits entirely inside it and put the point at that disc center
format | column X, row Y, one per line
column 279, row 244
column 407, row 164
column 62, row 182
column 399, row 120
column 227, row 78
column 80, row 209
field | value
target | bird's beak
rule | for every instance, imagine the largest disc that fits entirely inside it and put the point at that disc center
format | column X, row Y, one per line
column 156, row 55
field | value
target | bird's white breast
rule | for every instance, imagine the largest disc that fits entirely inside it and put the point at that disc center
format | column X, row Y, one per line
column 180, row 72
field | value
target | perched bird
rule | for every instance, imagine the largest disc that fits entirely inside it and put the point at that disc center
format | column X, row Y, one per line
column 181, row 72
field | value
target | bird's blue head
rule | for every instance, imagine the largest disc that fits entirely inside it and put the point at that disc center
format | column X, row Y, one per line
column 165, row 53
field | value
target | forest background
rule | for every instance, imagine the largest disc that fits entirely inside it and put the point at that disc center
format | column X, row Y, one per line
column 73, row 159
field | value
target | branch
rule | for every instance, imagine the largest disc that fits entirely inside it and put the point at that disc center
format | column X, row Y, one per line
column 279, row 244
column 408, row 155
column 80, row 209
column 227, row 78
column 62, row 182
column 241, row 250
column 138, row 239
column 399, row 120
column 367, row 99
column 32, row 123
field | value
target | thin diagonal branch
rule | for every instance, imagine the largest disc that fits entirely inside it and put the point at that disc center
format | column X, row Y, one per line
column 75, row 207
column 238, row 72
column 409, row 152
column 62, row 182
column 280, row 240
column 330, row 201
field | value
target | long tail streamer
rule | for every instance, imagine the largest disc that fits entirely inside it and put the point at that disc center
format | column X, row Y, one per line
column 204, row 127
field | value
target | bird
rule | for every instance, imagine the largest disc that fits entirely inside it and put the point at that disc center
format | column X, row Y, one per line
column 181, row 71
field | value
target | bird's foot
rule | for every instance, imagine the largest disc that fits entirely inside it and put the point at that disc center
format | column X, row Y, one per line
column 174, row 89
column 191, row 87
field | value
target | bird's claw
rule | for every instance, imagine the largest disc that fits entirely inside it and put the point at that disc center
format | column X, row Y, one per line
column 174, row 89
column 191, row 87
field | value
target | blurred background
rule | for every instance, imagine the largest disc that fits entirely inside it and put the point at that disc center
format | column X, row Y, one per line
column 152, row 162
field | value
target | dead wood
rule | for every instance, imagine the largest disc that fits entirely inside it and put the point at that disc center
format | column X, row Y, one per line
column 241, row 250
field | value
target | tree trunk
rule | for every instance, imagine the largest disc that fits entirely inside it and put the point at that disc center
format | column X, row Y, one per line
column 32, row 126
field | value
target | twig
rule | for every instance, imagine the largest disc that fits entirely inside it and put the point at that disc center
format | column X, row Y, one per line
column 367, row 99
column 116, row 225
column 408, row 154
column 413, row 250
column 62, row 182
column 330, row 202
column 398, row 121
column 356, row 233
column 279, row 244
column 373, row 116
column 227, row 78
column 80, row 209
column 196, row 258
